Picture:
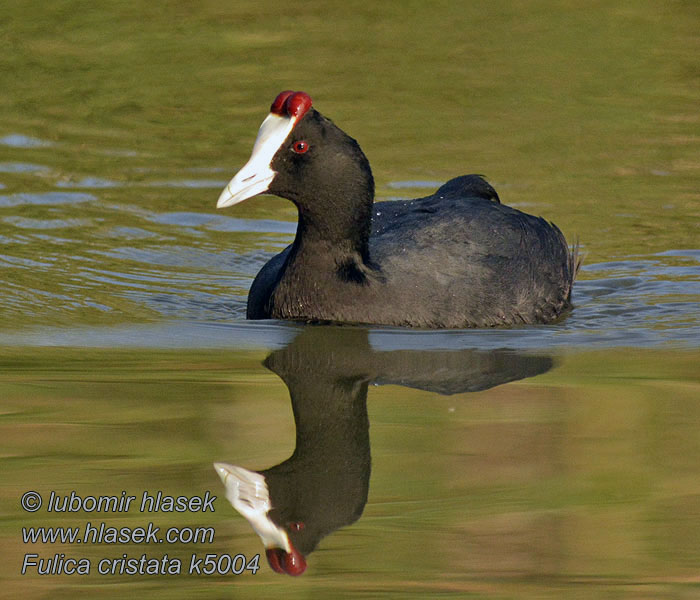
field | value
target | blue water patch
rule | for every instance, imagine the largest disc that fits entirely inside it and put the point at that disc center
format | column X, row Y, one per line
column 184, row 219
column 26, row 263
column 46, row 198
column 18, row 167
column 417, row 184
column 685, row 254
column 222, row 223
column 130, row 233
column 168, row 334
column 88, row 182
column 25, row 223
column 17, row 140
column 252, row 225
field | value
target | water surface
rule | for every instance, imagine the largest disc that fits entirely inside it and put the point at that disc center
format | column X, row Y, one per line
column 545, row 461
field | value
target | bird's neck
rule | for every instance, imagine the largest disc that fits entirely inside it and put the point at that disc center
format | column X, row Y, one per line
column 335, row 227
column 327, row 255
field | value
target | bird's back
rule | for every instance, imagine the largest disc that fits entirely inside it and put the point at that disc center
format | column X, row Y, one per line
column 458, row 258
column 464, row 260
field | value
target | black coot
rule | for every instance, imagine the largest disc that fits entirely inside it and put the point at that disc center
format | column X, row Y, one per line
column 458, row 258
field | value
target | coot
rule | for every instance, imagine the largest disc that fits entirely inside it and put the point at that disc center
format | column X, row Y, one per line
column 458, row 258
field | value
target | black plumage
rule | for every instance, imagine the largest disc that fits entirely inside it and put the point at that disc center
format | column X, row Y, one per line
column 458, row 258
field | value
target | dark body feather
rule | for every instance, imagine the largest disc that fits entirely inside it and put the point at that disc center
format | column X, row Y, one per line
column 455, row 259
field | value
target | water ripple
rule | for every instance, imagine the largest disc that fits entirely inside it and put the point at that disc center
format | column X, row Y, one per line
column 46, row 198
column 17, row 140
column 18, row 167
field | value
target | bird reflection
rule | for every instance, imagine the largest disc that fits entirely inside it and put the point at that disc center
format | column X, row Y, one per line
column 324, row 485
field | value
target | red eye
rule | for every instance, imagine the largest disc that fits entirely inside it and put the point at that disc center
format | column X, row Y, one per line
column 296, row 526
column 300, row 147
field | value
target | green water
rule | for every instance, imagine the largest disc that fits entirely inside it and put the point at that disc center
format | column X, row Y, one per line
column 580, row 482
column 126, row 363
